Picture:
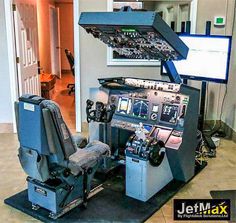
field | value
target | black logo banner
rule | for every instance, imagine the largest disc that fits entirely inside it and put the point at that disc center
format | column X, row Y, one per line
column 202, row 209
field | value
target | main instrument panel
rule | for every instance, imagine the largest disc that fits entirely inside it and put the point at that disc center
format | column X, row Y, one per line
column 162, row 113
column 151, row 107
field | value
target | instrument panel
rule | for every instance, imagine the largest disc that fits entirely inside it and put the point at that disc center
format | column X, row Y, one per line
column 152, row 84
column 150, row 107
column 135, row 35
column 162, row 113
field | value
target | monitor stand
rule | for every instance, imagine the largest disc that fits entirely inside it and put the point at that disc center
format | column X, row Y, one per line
column 206, row 136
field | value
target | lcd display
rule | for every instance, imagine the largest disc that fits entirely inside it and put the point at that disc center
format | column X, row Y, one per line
column 208, row 58
column 124, row 105
column 169, row 113
column 140, row 108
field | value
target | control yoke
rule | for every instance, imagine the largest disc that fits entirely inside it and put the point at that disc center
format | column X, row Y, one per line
column 101, row 113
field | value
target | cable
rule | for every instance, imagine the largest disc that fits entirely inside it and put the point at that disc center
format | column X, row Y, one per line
column 207, row 101
column 221, row 111
column 207, row 95
column 223, row 102
column 215, row 121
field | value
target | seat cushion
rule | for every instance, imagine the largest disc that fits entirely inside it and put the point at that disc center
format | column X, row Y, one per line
column 88, row 157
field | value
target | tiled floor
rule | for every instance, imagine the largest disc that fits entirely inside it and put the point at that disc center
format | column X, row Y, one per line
column 6, row 128
column 220, row 174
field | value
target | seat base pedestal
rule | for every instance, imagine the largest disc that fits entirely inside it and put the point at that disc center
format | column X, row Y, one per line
column 57, row 197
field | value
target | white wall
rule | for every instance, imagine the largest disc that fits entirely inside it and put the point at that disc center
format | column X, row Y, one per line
column 6, row 115
column 173, row 14
column 229, row 109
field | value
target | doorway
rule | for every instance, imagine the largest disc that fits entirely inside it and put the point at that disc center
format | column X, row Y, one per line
column 13, row 50
column 62, row 67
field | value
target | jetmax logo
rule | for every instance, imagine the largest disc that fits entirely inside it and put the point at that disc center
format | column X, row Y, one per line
column 202, row 209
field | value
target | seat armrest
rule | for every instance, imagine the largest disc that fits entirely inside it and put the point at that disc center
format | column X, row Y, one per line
column 80, row 141
column 99, row 147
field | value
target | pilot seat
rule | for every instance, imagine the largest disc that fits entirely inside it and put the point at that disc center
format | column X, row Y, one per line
column 60, row 167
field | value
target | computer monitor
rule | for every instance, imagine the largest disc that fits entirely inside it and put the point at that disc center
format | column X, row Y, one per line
column 208, row 58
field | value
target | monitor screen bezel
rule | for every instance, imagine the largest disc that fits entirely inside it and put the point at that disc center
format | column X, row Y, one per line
column 216, row 80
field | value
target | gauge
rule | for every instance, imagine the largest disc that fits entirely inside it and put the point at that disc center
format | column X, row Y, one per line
column 140, row 108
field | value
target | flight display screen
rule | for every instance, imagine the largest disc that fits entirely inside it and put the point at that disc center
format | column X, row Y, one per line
column 140, row 108
column 169, row 113
column 124, row 106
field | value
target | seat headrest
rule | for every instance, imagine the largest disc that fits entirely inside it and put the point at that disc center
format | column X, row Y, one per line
column 33, row 99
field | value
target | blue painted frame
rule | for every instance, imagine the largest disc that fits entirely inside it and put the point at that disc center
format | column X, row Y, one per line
column 190, row 77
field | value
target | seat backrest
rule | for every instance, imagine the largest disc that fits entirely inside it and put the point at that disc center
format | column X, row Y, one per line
column 31, row 129
column 57, row 130
column 41, row 128
column 70, row 59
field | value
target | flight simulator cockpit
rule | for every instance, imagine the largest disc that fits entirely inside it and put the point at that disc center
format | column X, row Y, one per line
column 154, row 126
column 147, row 127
